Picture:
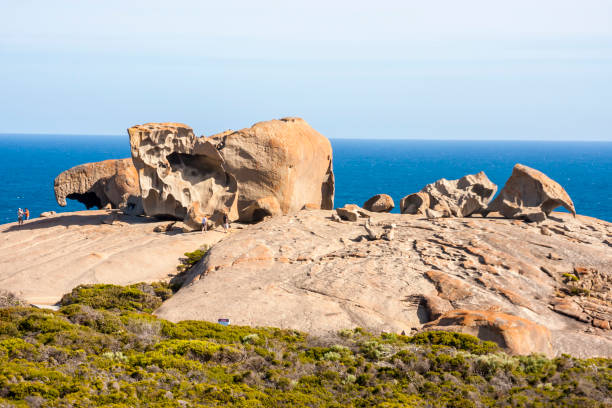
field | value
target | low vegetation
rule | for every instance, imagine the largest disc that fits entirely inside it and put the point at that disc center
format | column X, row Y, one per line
column 104, row 348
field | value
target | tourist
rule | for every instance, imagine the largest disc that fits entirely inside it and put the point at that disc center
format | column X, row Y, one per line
column 19, row 216
column 204, row 224
column 27, row 214
column 225, row 222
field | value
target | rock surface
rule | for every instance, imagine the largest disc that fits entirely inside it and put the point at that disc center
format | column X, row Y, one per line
column 463, row 197
column 274, row 167
column 531, row 195
column 379, row 203
column 307, row 272
column 99, row 184
column 47, row 257
column 515, row 334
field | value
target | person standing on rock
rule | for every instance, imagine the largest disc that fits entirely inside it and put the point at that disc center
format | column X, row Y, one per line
column 204, row 224
column 225, row 222
column 20, row 216
column 27, row 214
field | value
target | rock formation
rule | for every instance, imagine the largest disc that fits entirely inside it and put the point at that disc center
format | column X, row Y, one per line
column 531, row 195
column 515, row 334
column 351, row 212
column 379, row 203
column 100, row 184
column 305, row 271
column 457, row 198
column 181, row 176
column 272, row 168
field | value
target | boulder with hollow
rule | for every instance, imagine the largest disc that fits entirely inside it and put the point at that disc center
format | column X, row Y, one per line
column 272, row 168
column 463, row 197
column 379, row 203
column 530, row 194
column 515, row 334
column 181, row 176
column 109, row 183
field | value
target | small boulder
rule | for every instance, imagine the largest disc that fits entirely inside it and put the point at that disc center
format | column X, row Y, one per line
column 530, row 194
column 347, row 214
column 514, row 334
column 379, row 203
column 47, row 214
column 351, row 212
column 458, row 198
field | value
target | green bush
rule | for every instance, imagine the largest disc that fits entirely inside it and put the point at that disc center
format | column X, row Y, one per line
column 140, row 297
column 458, row 341
column 191, row 258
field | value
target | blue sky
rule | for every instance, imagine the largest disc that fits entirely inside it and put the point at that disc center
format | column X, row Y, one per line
column 438, row 69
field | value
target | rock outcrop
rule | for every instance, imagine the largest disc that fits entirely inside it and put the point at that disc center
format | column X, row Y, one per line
column 305, row 271
column 463, row 197
column 379, row 203
column 272, row 168
column 531, row 195
column 515, row 334
column 181, row 176
column 111, row 183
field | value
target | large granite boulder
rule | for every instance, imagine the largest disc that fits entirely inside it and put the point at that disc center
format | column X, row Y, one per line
column 515, row 334
column 274, row 167
column 457, row 198
column 280, row 166
column 530, row 194
column 111, row 183
column 379, row 203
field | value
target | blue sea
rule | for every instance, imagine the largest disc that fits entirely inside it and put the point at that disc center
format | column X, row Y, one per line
column 362, row 168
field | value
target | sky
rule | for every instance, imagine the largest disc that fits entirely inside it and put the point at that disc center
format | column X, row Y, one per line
column 436, row 69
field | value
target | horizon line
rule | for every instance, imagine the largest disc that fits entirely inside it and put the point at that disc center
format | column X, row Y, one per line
column 345, row 138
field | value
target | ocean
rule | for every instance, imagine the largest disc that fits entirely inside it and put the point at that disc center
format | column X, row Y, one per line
column 362, row 168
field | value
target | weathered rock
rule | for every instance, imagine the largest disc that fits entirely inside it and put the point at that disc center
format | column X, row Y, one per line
column 570, row 308
column 181, row 176
column 274, row 167
column 458, row 198
column 379, row 203
column 47, row 214
column 436, row 306
column 351, row 212
column 347, row 214
column 515, row 334
column 433, row 214
column 100, row 184
column 530, row 194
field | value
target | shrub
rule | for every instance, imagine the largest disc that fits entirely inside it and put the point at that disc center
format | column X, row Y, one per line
column 140, row 297
column 191, row 258
column 456, row 340
column 9, row 299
